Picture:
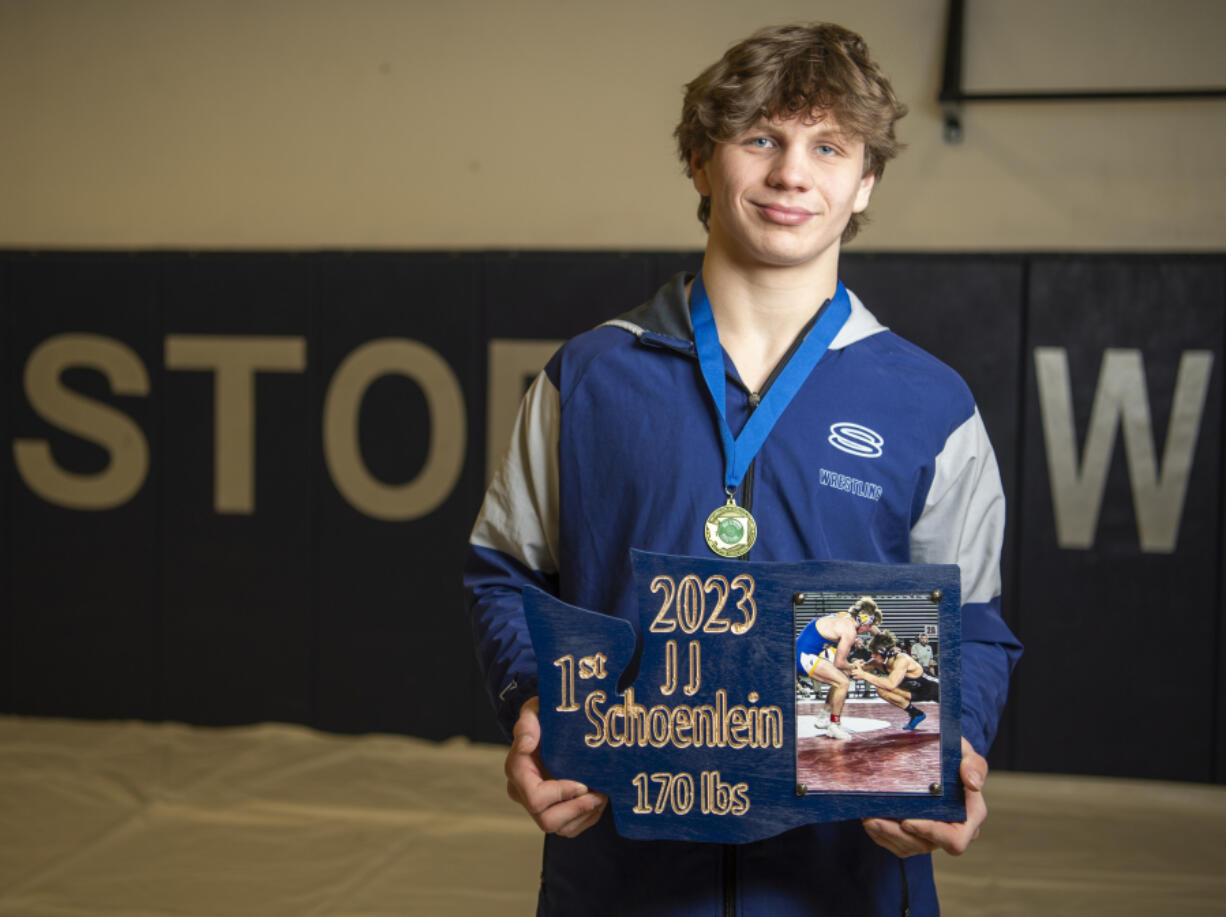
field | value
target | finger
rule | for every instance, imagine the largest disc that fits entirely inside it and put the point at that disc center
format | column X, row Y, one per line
column 583, row 822
column 888, row 833
column 954, row 838
column 900, row 847
column 543, row 795
column 552, row 804
column 569, row 814
column 574, row 829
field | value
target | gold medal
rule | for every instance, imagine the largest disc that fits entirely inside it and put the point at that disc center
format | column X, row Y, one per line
column 730, row 530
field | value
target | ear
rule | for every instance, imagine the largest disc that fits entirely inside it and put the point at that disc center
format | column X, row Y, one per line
column 867, row 183
column 698, row 168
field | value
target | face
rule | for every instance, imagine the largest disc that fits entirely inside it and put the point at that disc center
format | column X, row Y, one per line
column 782, row 193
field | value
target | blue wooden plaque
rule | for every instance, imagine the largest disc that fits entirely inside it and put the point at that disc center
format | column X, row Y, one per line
column 717, row 738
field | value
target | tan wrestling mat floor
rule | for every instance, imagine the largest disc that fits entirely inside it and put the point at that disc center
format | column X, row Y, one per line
column 270, row 820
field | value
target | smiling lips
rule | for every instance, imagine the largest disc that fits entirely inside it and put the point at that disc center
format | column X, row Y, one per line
column 786, row 216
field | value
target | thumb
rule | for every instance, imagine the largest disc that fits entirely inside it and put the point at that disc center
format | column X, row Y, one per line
column 974, row 769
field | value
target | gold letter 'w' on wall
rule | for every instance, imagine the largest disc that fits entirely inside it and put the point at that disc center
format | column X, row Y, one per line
column 1157, row 494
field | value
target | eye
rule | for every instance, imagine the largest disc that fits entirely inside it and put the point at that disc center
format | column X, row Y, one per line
column 826, row 149
column 760, row 143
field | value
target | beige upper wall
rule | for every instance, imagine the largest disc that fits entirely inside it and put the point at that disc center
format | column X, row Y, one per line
column 547, row 124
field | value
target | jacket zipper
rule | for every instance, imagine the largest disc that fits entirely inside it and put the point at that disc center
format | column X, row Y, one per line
column 746, row 501
column 729, row 864
column 729, row 880
column 747, row 482
column 730, row 849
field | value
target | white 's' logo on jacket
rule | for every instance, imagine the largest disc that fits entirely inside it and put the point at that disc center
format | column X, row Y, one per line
column 856, row 439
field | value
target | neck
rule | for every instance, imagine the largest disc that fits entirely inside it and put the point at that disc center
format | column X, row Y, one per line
column 759, row 312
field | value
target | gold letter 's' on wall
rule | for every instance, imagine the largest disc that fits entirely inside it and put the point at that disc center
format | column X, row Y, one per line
column 99, row 423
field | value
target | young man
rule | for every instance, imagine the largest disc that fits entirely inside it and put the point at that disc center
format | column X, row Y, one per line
column 626, row 441
column 838, row 631
column 904, row 679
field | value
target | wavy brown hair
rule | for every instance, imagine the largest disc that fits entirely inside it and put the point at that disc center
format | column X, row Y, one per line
column 786, row 72
column 883, row 642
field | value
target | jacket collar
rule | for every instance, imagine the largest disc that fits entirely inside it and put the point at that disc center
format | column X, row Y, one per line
column 665, row 319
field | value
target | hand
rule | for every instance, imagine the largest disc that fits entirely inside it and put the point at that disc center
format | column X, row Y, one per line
column 563, row 807
column 917, row 835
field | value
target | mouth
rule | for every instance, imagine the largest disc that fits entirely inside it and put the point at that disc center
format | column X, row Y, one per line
column 785, row 215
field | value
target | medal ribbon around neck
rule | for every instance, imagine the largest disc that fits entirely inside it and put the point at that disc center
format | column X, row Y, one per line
column 731, row 530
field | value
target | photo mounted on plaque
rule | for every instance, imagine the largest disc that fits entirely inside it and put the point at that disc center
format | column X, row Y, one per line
column 889, row 703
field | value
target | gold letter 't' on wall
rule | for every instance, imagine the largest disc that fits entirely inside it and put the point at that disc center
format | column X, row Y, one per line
column 235, row 360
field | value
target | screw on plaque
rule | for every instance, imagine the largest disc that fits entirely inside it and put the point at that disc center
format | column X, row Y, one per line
column 934, row 789
column 801, row 790
column 935, row 596
column 798, row 598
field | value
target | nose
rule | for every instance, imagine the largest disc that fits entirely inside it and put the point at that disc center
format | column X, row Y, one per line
column 791, row 169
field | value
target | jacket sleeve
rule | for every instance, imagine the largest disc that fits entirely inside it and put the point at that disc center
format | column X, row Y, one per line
column 963, row 523
column 513, row 544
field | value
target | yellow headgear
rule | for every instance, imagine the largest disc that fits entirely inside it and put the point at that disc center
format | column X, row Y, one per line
column 865, row 611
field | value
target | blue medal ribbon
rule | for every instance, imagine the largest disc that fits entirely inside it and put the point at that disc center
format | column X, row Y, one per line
column 739, row 451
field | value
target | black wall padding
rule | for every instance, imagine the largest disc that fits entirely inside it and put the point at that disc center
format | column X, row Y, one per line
column 1124, row 641
column 282, row 596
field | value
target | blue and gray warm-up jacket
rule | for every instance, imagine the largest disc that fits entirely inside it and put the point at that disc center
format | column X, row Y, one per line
column 881, row 456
